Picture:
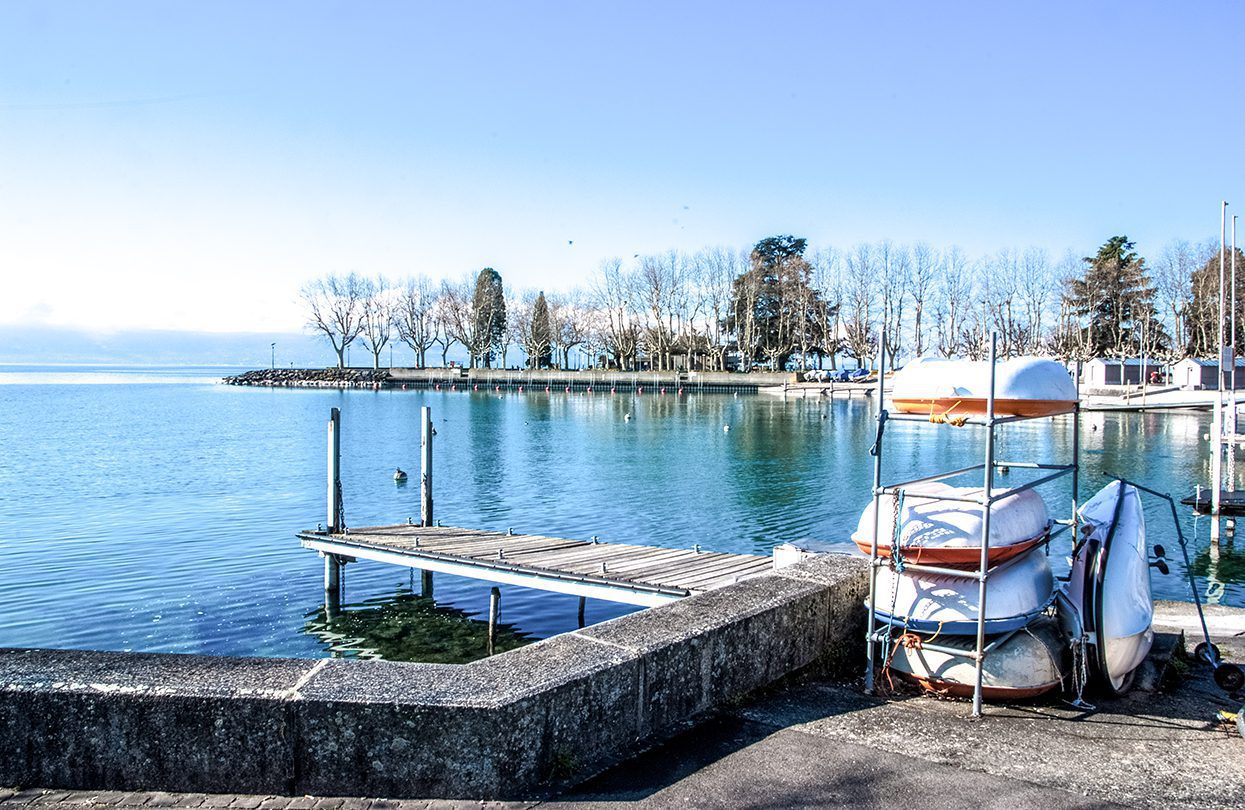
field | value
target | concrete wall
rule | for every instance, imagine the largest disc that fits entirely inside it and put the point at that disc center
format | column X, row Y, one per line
column 511, row 726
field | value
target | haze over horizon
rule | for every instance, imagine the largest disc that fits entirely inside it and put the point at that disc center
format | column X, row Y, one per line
column 188, row 167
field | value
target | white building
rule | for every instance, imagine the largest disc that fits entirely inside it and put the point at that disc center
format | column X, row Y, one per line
column 1104, row 371
column 1194, row 374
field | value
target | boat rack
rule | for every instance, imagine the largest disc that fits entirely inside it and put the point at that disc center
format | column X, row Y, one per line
column 881, row 634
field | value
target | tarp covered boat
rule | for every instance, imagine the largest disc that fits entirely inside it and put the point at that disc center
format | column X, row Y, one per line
column 1108, row 600
column 1016, row 592
column 1029, row 663
column 943, row 532
column 1023, row 386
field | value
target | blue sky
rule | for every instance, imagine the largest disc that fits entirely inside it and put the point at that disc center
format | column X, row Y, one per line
column 189, row 165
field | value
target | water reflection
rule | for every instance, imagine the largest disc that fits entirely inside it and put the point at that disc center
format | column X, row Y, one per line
column 405, row 626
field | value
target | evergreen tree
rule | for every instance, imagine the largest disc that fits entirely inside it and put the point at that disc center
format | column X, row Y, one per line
column 488, row 312
column 774, row 308
column 540, row 338
column 1113, row 298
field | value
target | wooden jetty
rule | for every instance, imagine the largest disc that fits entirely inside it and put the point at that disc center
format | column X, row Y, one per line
column 616, row 572
column 631, row 574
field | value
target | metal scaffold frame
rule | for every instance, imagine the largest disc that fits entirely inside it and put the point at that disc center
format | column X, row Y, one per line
column 878, row 635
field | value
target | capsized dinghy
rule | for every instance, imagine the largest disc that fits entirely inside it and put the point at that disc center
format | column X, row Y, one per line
column 941, row 532
column 1107, row 598
column 1023, row 386
column 1028, row 664
column 1016, row 592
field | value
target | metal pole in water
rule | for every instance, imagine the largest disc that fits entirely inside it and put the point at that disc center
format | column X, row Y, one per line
column 582, row 600
column 425, row 485
column 334, row 477
column 332, row 583
column 494, row 604
column 1216, row 459
column 425, row 466
column 1232, row 377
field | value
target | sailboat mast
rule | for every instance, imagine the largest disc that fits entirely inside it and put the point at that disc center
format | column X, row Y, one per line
column 1216, row 458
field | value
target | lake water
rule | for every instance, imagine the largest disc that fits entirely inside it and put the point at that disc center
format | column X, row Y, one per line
column 154, row 509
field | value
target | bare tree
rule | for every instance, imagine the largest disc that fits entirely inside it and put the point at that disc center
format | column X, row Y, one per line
column 715, row 269
column 860, row 341
column 336, row 304
column 1173, row 274
column 613, row 296
column 896, row 270
column 377, row 318
column 414, row 319
column 828, row 281
column 456, row 318
column 1037, row 288
column 925, row 262
column 569, row 318
column 953, row 297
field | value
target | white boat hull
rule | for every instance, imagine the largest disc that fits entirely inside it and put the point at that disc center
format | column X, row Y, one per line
column 1016, row 593
column 942, row 532
column 1028, row 664
column 1108, row 590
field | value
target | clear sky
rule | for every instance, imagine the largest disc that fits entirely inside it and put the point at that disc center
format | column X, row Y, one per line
column 189, row 165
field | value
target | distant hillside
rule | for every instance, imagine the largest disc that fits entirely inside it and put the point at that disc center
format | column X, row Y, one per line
column 44, row 344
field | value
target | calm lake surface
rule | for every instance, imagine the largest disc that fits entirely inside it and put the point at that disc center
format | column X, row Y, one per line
column 154, row 509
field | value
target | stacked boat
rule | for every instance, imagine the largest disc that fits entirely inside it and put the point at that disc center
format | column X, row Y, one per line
column 935, row 616
column 927, row 593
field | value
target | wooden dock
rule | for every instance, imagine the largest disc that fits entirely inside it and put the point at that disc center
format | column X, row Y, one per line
column 631, row 574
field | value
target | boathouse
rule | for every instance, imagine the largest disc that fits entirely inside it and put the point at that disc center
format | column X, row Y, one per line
column 1113, row 371
column 1195, row 374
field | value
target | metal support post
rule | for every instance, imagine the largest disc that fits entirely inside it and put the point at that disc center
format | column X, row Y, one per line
column 334, row 470
column 425, row 466
column 987, row 486
column 494, row 605
column 871, row 663
column 332, row 583
column 582, row 600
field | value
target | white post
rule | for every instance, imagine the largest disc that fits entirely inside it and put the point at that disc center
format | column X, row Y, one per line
column 494, row 605
column 334, row 470
column 425, row 466
column 1232, row 377
column 1216, row 459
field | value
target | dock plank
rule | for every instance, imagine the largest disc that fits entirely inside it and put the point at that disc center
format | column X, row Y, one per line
column 635, row 574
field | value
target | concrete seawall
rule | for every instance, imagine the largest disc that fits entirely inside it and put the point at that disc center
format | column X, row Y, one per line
column 511, row 726
column 483, row 378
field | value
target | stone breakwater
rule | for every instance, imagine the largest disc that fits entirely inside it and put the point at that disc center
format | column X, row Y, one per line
column 312, row 377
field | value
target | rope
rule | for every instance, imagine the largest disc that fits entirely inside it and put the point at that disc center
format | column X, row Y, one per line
column 945, row 418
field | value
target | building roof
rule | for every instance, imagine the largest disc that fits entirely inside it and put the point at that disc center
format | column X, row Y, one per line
column 1131, row 361
column 1240, row 362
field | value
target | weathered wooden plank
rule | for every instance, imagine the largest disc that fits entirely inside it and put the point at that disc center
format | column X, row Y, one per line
column 626, row 565
column 699, row 580
column 697, row 575
column 591, row 564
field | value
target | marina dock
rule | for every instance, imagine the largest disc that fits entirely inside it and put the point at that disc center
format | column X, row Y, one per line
column 616, row 572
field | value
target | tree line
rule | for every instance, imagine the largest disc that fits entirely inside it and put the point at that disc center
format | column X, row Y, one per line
column 779, row 305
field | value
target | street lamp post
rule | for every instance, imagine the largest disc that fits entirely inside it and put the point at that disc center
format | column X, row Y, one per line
column 273, row 363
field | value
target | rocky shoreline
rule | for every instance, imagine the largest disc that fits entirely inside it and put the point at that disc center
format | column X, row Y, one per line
column 312, row 378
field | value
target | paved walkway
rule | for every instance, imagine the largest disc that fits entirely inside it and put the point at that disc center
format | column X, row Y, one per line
column 819, row 744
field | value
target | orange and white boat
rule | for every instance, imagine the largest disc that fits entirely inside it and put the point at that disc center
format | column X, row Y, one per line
column 942, row 532
column 1023, row 386
column 1028, row 664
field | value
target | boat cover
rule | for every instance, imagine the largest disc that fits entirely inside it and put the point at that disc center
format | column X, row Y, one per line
column 1023, row 386
column 1029, row 663
column 949, row 532
column 1109, row 585
column 1016, row 592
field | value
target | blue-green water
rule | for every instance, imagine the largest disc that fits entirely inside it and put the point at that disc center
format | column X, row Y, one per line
column 153, row 509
